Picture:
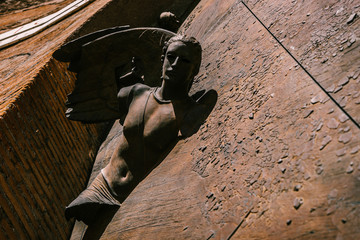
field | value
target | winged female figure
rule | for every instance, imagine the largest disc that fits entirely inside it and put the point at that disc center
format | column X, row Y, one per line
column 154, row 108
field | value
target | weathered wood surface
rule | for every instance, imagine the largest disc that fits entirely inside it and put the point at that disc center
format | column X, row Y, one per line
column 324, row 37
column 277, row 159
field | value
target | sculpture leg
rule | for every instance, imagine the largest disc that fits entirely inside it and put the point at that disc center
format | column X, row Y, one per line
column 86, row 206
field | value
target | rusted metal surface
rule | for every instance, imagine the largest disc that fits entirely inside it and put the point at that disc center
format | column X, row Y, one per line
column 277, row 158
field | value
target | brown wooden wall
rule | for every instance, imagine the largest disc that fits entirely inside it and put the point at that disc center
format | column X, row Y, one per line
column 277, row 158
column 45, row 158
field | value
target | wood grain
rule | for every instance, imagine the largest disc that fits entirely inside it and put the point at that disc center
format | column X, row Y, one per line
column 277, row 159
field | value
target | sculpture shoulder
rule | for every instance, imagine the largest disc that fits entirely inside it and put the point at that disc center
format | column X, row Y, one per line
column 127, row 94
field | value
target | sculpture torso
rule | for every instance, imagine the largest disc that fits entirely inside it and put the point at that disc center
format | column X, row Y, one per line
column 150, row 126
column 149, row 122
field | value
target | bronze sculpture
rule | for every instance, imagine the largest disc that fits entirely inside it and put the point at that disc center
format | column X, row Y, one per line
column 154, row 117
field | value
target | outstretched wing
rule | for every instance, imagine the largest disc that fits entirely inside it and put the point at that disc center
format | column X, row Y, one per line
column 102, row 63
column 71, row 51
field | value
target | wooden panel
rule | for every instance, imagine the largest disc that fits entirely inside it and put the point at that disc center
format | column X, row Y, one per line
column 277, row 159
column 274, row 140
column 323, row 36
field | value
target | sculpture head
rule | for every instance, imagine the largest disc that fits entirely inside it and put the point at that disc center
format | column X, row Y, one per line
column 181, row 61
column 169, row 21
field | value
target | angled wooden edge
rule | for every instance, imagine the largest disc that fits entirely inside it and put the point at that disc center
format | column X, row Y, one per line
column 20, row 33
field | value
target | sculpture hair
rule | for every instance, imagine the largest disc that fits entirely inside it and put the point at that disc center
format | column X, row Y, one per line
column 189, row 41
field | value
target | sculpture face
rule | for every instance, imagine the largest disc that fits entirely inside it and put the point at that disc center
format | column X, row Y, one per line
column 178, row 65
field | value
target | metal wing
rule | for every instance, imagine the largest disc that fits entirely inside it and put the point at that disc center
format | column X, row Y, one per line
column 102, row 61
